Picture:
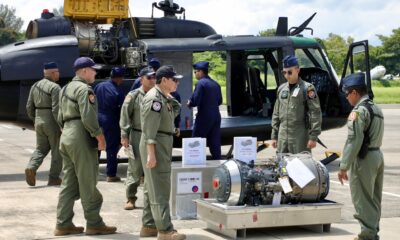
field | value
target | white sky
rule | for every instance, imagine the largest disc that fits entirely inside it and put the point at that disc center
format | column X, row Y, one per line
column 361, row 19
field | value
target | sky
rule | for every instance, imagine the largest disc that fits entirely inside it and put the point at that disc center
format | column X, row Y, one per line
column 360, row 19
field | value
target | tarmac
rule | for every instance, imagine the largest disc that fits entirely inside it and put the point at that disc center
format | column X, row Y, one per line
column 30, row 212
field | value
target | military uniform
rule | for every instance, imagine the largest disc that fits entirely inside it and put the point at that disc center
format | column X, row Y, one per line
column 289, row 125
column 110, row 98
column 42, row 108
column 207, row 97
column 366, row 174
column 157, row 116
column 78, row 146
column 131, row 128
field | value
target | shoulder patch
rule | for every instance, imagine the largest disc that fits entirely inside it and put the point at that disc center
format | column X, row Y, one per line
column 156, row 106
column 128, row 99
column 311, row 93
column 284, row 94
column 92, row 97
column 353, row 116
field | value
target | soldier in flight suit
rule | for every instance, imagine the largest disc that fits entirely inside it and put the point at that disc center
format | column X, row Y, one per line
column 207, row 97
column 158, row 111
column 297, row 118
column 362, row 156
column 155, row 64
column 42, row 108
column 131, row 131
column 81, row 138
column 110, row 98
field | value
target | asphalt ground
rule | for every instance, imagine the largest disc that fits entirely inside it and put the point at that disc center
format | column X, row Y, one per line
column 30, row 212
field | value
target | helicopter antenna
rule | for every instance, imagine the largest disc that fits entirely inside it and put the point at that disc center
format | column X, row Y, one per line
column 297, row 30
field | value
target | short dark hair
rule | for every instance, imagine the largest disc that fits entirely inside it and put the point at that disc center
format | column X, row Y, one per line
column 361, row 89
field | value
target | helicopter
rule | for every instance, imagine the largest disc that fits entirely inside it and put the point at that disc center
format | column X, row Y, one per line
column 253, row 63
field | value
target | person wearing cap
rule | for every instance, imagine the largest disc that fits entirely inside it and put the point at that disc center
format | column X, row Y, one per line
column 131, row 131
column 296, row 119
column 158, row 111
column 110, row 98
column 155, row 64
column 42, row 109
column 362, row 156
column 81, row 138
column 207, row 97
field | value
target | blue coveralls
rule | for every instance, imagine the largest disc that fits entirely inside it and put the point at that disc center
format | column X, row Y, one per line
column 207, row 97
column 110, row 98
column 136, row 84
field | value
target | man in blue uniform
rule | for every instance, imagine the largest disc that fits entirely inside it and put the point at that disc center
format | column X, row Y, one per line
column 207, row 97
column 110, row 98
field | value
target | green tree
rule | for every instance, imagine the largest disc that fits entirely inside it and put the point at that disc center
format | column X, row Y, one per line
column 336, row 48
column 10, row 25
column 10, row 19
column 267, row 33
column 389, row 55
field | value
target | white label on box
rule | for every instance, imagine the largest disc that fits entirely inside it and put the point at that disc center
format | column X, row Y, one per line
column 188, row 182
column 194, row 151
column 285, row 184
column 299, row 172
column 245, row 149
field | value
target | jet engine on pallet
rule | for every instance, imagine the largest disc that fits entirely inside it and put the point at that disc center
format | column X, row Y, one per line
column 238, row 183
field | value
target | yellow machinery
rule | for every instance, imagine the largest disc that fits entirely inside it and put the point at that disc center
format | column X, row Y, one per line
column 99, row 11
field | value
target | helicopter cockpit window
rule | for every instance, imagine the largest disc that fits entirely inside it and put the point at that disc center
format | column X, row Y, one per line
column 314, row 70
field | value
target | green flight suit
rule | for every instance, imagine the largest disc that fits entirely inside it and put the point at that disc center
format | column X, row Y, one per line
column 366, row 175
column 131, row 128
column 288, row 124
column 157, row 115
column 78, row 147
column 42, row 108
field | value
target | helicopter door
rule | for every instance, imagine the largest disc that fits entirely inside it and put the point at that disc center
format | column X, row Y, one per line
column 357, row 60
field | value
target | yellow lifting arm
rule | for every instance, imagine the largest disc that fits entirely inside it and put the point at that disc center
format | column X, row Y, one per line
column 99, row 11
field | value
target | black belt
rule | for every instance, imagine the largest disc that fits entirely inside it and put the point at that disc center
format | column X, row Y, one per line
column 70, row 119
column 374, row 149
column 167, row 133
column 43, row 107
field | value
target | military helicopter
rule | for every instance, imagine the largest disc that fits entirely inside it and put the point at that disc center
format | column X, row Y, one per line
column 253, row 63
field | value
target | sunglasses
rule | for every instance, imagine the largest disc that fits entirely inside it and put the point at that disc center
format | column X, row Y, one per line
column 174, row 79
column 151, row 77
column 287, row 72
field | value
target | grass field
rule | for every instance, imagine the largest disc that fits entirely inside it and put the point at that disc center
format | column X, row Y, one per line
column 385, row 92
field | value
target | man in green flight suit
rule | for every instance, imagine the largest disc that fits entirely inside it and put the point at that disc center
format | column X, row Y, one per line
column 362, row 156
column 158, row 112
column 131, row 131
column 297, row 118
column 42, row 108
column 80, row 139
